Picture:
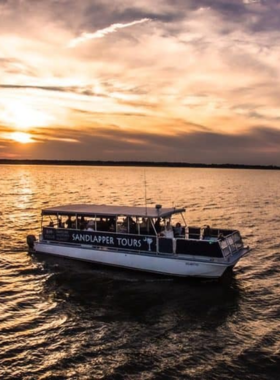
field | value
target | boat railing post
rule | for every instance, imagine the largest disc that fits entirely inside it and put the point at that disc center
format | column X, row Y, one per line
column 225, row 248
column 157, row 244
column 229, row 246
column 174, row 245
column 138, row 225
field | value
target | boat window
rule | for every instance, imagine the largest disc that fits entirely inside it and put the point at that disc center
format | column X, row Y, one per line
column 105, row 223
column 60, row 224
column 158, row 225
column 82, row 222
column 49, row 221
column 127, row 224
column 70, row 222
column 101, row 223
column 145, row 226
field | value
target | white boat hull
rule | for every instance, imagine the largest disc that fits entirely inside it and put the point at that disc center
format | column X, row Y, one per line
column 173, row 265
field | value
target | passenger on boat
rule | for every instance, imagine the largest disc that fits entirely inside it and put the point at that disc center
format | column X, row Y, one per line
column 69, row 222
column 144, row 226
column 131, row 225
column 168, row 231
column 123, row 227
column 59, row 223
column 112, row 225
column 82, row 223
column 207, row 231
column 90, row 225
column 178, row 230
column 128, row 225
column 158, row 225
column 102, row 225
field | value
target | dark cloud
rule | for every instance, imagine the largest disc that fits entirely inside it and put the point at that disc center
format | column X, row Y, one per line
column 234, row 15
column 74, row 89
column 128, row 68
column 79, row 90
column 89, row 15
column 260, row 145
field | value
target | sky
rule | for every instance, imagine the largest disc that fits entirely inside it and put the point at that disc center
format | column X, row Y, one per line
column 163, row 80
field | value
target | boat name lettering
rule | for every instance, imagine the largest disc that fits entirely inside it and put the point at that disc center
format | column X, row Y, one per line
column 110, row 240
column 143, row 243
column 93, row 238
column 192, row 264
column 126, row 242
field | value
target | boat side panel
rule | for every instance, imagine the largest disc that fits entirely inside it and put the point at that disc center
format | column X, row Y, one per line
column 155, row 264
column 101, row 239
column 199, row 248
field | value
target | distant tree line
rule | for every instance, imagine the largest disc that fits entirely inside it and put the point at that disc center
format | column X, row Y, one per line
column 135, row 163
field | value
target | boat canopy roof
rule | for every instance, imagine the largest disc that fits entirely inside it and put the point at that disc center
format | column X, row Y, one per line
column 105, row 210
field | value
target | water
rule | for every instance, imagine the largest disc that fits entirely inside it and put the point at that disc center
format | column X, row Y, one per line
column 67, row 320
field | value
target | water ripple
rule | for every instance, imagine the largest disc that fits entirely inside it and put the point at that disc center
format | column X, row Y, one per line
column 65, row 320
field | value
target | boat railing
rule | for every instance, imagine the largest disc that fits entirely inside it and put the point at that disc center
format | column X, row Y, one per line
column 206, row 233
column 197, row 245
column 231, row 244
column 194, row 247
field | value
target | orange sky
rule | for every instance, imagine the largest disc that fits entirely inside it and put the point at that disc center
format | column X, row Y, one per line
column 163, row 80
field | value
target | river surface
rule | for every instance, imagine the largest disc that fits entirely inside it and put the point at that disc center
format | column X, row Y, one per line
column 61, row 319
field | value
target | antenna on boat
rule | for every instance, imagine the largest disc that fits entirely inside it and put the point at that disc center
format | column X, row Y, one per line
column 158, row 207
column 145, row 186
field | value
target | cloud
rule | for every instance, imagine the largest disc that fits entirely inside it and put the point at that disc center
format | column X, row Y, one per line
column 257, row 145
column 103, row 32
column 201, row 71
column 251, row 1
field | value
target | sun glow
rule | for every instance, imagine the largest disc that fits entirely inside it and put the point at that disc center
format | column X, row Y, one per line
column 22, row 137
column 22, row 115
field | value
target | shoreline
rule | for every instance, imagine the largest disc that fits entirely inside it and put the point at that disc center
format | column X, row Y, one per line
column 135, row 163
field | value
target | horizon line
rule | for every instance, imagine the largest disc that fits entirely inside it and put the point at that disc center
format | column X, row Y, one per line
column 4, row 161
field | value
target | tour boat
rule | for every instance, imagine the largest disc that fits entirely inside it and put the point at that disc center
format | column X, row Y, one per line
column 149, row 239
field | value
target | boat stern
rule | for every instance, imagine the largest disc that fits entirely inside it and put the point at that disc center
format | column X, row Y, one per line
column 233, row 248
